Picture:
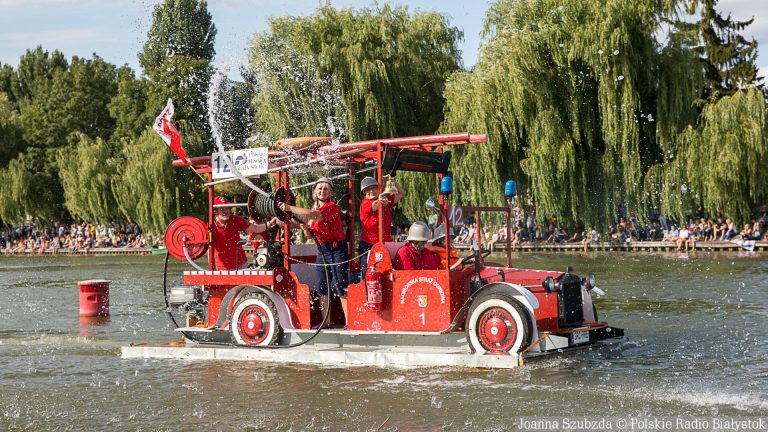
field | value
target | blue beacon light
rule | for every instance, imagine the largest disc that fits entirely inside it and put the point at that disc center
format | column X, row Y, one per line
column 510, row 191
column 446, row 185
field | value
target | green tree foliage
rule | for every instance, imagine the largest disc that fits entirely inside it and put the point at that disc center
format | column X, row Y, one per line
column 712, row 127
column 86, row 170
column 7, row 78
column 727, row 58
column 355, row 74
column 177, row 59
column 386, row 65
column 151, row 192
column 128, row 106
column 74, row 100
column 565, row 91
column 720, row 166
column 11, row 141
column 36, row 68
column 30, row 189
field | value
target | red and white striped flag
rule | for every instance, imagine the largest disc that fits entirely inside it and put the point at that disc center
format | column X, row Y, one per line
column 168, row 132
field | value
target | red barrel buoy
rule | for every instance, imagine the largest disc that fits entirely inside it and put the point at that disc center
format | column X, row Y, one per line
column 94, row 298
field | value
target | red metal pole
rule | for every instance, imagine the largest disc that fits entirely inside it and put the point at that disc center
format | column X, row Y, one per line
column 509, row 241
column 351, row 209
column 210, row 224
column 287, row 230
column 443, row 206
column 379, row 157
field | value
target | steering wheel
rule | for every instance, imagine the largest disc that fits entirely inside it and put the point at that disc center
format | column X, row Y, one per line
column 468, row 259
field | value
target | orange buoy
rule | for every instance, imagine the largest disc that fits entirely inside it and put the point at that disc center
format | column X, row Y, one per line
column 94, row 298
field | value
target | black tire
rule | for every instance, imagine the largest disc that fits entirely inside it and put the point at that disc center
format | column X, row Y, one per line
column 254, row 321
column 497, row 323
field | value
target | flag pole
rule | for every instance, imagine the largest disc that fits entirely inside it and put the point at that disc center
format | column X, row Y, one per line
column 189, row 164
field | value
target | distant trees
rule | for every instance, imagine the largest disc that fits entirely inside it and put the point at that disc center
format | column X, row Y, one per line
column 591, row 115
column 355, row 74
column 583, row 104
column 712, row 126
column 177, row 59
column 75, row 135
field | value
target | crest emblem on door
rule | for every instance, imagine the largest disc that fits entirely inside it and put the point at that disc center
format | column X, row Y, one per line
column 421, row 300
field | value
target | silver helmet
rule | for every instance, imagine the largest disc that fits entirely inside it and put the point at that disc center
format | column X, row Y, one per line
column 367, row 182
column 419, row 231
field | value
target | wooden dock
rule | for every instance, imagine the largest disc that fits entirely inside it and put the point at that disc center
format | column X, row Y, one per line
column 646, row 246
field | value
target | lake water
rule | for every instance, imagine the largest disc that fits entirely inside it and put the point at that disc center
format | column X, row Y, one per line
column 695, row 346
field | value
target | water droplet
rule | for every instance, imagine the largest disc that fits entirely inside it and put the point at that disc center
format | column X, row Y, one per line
column 615, row 52
column 436, row 403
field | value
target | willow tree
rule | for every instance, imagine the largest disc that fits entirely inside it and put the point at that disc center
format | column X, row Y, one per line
column 11, row 141
column 720, row 164
column 355, row 74
column 565, row 91
column 712, row 127
column 30, row 189
column 148, row 190
column 86, row 170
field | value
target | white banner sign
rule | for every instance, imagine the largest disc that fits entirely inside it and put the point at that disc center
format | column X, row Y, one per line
column 249, row 162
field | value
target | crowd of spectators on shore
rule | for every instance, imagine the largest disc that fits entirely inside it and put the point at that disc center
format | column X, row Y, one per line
column 68, row 239
column 73, row 238
column 686, row 235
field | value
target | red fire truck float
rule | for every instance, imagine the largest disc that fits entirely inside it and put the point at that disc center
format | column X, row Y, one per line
column 486, row 314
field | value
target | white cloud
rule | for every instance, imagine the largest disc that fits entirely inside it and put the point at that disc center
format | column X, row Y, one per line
column 763, row 72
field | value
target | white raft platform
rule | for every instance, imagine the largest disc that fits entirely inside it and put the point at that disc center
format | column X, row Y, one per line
column 329, row 355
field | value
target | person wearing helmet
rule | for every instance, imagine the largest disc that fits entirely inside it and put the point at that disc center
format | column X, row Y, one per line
column 228, row 253
column 324, row 222
column 414, row 255
column 369, row 216
column 438, row 247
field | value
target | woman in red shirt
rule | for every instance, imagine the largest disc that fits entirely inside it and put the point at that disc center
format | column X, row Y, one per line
column 324, row 221
column 369, row 216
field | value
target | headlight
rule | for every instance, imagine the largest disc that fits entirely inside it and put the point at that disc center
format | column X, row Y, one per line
column 549, row 284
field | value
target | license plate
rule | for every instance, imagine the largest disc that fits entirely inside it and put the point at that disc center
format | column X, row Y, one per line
column 579, row 337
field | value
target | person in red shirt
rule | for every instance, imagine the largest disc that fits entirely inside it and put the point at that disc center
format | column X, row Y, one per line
column 228, row 253
column 414, row 255
column 324, row 222
column 369, row 216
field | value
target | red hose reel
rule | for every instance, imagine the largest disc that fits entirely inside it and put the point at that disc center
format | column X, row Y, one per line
column 189, row 231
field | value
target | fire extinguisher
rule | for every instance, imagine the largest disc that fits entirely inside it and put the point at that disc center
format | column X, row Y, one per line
column 373, row 288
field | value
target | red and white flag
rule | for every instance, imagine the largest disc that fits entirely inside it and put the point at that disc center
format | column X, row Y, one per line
column 168, row 132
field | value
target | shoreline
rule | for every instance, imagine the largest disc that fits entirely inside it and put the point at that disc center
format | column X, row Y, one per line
column 646, row 246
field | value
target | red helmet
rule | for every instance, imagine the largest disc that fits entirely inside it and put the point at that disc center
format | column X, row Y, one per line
column 220, row 200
